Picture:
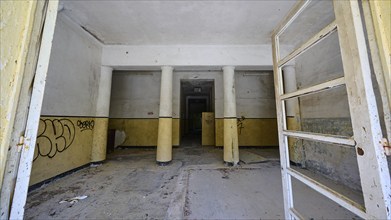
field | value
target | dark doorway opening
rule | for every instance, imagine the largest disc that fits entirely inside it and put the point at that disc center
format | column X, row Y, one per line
column 197, row 96
column 194, row 114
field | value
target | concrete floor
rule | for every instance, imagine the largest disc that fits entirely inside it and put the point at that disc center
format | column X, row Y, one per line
column 196, row 185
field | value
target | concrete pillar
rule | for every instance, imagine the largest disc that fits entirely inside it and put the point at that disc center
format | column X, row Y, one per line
column 164, row 140
column 101, row 122
column 292, row 107
column 231, row 148
column 290, row 85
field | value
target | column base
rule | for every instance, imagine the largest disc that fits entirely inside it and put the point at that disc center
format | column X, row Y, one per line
column 164, row 140
column 162, row 164
column 229, row 164
column 231, row 145
column 99, row 141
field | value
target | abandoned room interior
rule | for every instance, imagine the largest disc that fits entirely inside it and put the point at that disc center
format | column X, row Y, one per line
column 195, row 109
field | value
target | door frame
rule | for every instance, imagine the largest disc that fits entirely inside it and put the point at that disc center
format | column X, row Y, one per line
column 26, row 146
column 372, row 162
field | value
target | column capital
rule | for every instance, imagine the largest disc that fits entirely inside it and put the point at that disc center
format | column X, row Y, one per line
column 225, row 68
column 106, row 68
column 167, row 68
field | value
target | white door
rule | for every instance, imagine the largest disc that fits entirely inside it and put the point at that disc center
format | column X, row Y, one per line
column 304, row 40
column 29, row 140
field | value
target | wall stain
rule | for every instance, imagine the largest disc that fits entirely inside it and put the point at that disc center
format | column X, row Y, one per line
column 335, row 162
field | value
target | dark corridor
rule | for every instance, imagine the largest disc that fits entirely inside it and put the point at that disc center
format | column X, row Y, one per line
column 197, row 96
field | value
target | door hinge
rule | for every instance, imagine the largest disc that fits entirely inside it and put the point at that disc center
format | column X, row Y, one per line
column 20, row 143
column 387, row 147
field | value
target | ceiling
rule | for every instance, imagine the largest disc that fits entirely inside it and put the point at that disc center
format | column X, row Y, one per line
column 178, row 22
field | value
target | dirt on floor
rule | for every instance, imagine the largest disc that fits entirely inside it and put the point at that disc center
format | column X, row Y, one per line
column 196, row 185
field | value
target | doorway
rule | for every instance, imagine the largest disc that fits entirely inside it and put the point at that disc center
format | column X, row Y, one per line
column 197, row 96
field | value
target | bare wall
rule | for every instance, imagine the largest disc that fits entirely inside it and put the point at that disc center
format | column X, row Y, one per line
column 74, row 70
column 135, row 101
column 69, row 106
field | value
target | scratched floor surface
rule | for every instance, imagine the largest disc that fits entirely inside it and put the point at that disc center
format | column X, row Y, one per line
column 195, row 185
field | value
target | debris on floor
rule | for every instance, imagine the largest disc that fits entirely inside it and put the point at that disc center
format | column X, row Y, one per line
column 74, row 199
column 95, row 164
column 120, row 137
column 196, row 185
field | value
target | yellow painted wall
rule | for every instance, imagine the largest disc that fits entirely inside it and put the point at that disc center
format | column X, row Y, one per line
column 258, row 132
column 143, row 132
column 16, row 25
column 252, row 132
column 381, row 14
column 63, row 143
column 99, row 143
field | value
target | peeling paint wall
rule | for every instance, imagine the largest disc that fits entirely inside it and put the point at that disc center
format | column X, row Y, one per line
column 381, row 14
column 15, row 31
column 68, row 118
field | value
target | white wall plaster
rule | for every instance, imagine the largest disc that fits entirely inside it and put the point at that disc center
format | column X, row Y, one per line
column 74, row 70
column 122, row 57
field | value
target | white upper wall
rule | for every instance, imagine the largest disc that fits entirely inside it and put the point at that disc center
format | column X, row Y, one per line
column 255, row 94
column 184, row 56
column 136, row 94
column 74, row 70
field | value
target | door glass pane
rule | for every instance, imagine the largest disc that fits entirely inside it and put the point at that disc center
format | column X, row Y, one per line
column 326, row 112
column 320, row 63
column 313, row 205
column 316, row 16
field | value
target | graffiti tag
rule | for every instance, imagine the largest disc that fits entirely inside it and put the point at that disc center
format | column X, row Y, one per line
column 86, row 125
column 240, row 124
column 56, row 136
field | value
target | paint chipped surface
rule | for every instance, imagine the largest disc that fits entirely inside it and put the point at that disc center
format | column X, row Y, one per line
column 337, row 162
column 15, row 29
